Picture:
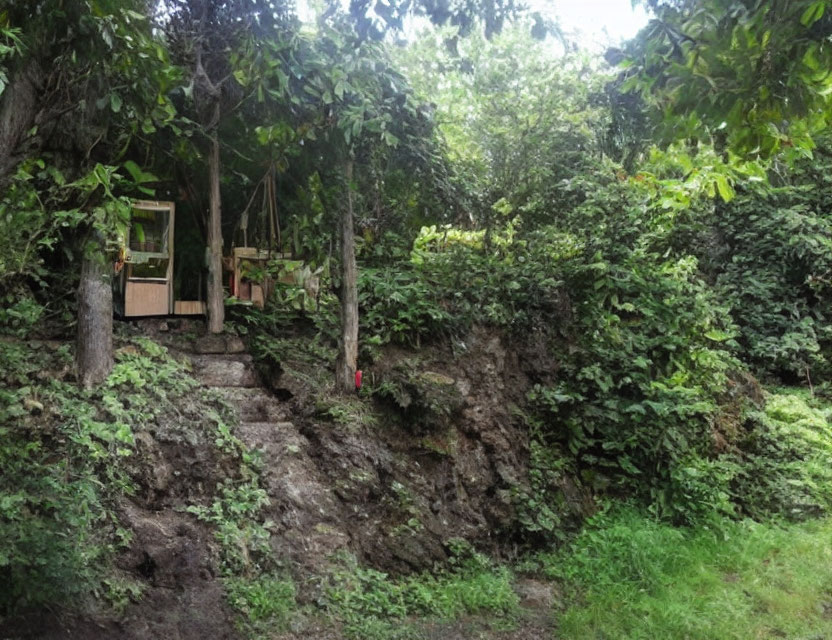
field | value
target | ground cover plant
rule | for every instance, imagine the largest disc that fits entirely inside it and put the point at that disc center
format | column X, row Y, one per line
column 372, row 605
column 64, row 455
column 631, row 576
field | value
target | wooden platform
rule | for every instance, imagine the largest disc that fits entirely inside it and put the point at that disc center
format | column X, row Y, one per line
column 188, row 308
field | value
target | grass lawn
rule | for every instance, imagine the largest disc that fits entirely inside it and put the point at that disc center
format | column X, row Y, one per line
column 630, row 577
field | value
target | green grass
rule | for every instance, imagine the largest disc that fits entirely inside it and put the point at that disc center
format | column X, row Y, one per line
column 629, row 577
column 372, row 606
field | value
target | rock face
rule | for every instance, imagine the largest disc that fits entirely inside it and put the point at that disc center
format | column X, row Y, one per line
column 404, row 492
column 185, row 601
column 391, row 480
column 394, row 481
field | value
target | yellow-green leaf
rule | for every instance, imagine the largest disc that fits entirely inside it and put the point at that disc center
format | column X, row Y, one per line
column 726, row 191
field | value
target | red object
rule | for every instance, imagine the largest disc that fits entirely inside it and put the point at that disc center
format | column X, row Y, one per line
column 358, row 380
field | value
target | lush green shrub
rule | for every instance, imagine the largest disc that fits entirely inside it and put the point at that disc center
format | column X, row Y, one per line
column 642, row 367
column 62, row 452
column 19, row 314
column 515, row 284
column 768, row 256
column 771, row 264
column 53, row 532
column 399, row 305
column 450, row 282
column 541, row 511
column 784, row 459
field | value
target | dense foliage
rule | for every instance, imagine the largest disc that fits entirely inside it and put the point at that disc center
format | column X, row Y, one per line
column 660, row 229
column 63, row 454
column 651, row 393
column 747, row 75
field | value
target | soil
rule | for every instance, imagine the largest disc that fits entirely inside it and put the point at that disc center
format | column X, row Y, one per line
column 392, row 487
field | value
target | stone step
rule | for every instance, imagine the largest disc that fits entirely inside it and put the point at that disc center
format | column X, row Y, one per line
column 276, row 438
column 254, row 404
column 225, row 370
column 218, row 344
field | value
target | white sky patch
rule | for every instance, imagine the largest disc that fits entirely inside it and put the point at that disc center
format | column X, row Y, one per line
column 595, row 23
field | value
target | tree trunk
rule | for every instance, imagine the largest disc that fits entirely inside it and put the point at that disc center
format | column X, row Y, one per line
column 348, row 348
column 18, row 107
column 94, row 357
column 215, row 304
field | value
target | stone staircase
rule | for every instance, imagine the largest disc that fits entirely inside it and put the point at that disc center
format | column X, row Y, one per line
column 222, row 364
column 303, row 505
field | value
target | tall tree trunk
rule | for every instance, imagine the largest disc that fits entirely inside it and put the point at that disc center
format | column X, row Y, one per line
column 348, row 348
column 215, row 308
column 18, row 108
column 94, row 355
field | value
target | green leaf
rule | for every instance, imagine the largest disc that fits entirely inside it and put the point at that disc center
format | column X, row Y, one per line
column 726, row 191
column 282, row 80
column 625, row 463
column 717, row 336
column 115, row 102
column 813, row 13
column 56, row 175
column 139, row 176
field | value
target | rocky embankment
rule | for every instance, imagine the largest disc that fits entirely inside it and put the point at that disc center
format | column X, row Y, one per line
column 440, row 455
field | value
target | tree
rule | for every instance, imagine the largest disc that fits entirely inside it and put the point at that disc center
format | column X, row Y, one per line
column 751, row 76
column 346, row 365
column 367, row 100
column 370, row 106
column 78, row 81
column 376, row 19
column 203, row 35
column 339, row 98
column 107, row 219
column 520, row 119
